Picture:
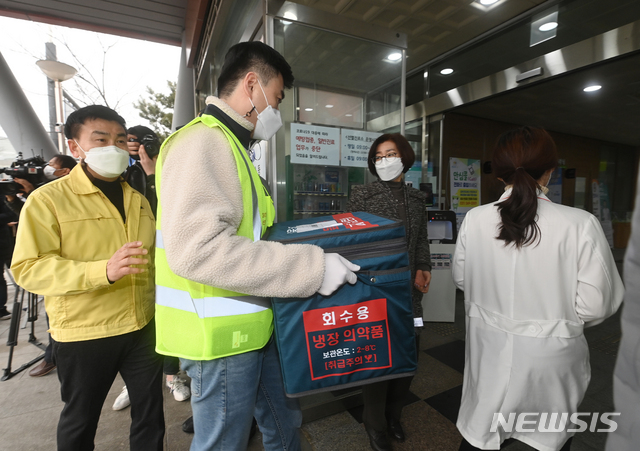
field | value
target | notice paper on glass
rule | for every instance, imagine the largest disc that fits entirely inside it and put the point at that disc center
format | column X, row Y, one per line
column 312, row 144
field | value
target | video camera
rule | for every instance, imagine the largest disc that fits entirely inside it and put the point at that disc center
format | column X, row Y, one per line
column 31, row 169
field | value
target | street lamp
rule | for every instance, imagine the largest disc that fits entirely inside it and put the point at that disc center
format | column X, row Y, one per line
column 58, row 72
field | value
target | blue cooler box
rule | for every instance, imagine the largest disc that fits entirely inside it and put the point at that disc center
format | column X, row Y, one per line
column 360, row 334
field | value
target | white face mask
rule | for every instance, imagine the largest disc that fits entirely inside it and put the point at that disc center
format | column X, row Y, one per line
column 269, row 120
column 109, row 161
column 389, row 168
column 49, row 173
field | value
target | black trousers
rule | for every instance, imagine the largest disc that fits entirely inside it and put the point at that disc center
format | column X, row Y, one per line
column 171, row 365
column 3, row 283
column 48, row 353
column 385, row 400
column 87, row 369
column 466, row 446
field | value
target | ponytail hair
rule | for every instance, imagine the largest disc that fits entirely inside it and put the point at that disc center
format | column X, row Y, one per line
column 521, row 158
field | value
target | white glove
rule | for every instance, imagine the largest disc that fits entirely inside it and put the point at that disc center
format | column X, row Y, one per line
column 337, row 271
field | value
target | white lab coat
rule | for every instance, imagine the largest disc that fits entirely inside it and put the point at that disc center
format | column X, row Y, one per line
column 526, row 310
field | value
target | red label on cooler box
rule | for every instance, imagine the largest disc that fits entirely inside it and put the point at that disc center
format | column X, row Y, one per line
column 353, row 222
column 349, row 338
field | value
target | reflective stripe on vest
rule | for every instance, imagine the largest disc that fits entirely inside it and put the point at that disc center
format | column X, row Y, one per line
column 209, row 306
column 257, row 223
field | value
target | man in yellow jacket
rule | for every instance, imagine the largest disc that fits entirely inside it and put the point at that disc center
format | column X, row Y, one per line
column 86, row 242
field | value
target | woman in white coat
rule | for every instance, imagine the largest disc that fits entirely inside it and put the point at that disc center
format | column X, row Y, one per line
column 534, row 274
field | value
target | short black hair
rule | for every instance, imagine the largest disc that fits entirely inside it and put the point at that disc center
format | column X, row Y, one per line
column 407, row 154
column 65, row 161
column 79, row 117
column 253, row 56
column 140, row 131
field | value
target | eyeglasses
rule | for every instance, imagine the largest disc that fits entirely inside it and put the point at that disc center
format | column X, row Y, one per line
column 378, row 158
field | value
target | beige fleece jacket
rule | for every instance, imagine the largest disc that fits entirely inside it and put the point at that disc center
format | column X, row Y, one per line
column 201, row 203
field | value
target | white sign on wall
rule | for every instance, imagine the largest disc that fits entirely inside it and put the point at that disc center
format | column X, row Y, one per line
column 312, row 144
column 355, row 147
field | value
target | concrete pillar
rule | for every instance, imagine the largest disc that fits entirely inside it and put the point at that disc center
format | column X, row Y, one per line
column 50, row 54
column 19, row 121
column 184, row 108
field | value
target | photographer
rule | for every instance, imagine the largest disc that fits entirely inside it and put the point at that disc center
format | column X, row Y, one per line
column 57, row 167
column 6, row 251
column 143, row 145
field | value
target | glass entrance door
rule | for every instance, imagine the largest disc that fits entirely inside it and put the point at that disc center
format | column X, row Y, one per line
column 342, row 83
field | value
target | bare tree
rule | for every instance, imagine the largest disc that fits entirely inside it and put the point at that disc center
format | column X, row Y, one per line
column 90, row 89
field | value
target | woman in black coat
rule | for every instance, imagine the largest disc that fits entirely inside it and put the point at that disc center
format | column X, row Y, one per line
column 390, row 157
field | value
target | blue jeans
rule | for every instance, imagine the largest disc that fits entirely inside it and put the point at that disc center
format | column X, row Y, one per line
column 227, row 393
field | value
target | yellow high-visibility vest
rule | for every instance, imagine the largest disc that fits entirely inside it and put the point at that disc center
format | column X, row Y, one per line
column 201, row 322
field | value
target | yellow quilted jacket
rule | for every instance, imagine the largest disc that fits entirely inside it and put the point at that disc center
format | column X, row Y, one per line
column 68, row 230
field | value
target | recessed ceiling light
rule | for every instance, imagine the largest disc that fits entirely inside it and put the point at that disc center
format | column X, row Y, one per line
column 308, row 109
column 395, row 56
column 446, row 71
column 426, row 74
column 289, row 15
column 328, row 106
column 592, row 88
column 548, row 26
column 348, row 115
column 487, row 2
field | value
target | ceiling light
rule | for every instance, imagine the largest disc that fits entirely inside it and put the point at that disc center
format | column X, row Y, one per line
column 487, row 2
column 548, row 26
column 544, row 26
column 446, row 71
column 395, row 56
column 289, row 15
column 308, row 109
column 592, row 88
column 426, row 74
column 348, row 115
column 328, row 106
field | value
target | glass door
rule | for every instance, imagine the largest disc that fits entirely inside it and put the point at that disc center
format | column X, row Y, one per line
column 342, row 83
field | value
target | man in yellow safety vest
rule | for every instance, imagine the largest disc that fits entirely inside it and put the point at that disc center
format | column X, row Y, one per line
column 214, row 275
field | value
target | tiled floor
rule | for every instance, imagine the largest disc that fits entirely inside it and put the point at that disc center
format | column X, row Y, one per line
column 29, row 407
